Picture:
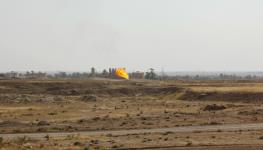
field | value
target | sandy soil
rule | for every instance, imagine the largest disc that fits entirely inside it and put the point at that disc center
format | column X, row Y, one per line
column 32, row 106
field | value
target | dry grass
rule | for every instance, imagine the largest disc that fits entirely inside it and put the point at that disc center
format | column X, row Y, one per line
column 123, row 105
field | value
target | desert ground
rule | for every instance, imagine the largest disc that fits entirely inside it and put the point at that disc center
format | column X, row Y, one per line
column 101, row 113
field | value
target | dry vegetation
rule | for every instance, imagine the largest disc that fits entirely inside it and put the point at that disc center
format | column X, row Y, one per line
column 29, row 106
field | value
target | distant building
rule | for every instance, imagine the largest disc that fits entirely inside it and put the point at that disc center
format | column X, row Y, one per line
column 39, row 75
column 2, row 76
column 12, row 74
column 33, row 75
column 137, row 75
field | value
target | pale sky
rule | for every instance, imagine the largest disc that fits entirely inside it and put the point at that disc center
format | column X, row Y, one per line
column 176, row 35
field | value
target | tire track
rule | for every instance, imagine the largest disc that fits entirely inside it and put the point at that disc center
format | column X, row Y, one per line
column 206, row 128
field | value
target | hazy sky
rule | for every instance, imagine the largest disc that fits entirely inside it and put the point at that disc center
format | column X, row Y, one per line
column 177, row 35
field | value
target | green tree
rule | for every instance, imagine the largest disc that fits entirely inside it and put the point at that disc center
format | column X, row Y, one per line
column 151, row 75
column 93, row 72
column 104, row 72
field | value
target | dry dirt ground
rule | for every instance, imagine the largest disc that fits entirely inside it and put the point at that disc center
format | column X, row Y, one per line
column 44, row 106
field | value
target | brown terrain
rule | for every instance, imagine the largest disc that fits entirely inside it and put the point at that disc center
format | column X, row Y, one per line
column 135, row 114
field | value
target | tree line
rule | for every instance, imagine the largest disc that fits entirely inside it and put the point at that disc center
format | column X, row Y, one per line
column 110, row 73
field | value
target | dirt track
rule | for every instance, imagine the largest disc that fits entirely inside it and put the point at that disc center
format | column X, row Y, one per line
column 209, row 128
column 206, row 147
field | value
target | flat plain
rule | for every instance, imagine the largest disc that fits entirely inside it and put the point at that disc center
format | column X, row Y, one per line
column 68, row 107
